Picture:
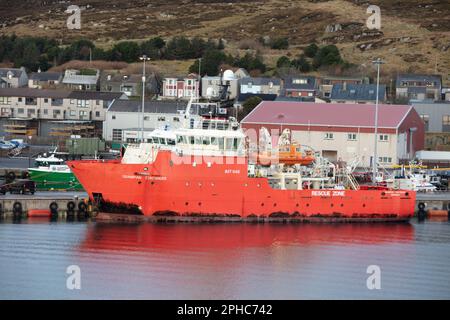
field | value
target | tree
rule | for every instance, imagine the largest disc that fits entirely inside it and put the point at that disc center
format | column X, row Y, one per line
column 211, row 61
column 180, row 48
column 311, row 50
column 302, row 64
column 283, row 62
column 327, row 56
column 127, row 51
column 280, row 43
column 248, row 106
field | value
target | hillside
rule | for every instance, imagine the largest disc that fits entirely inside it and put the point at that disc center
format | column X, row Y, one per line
column 415, row 35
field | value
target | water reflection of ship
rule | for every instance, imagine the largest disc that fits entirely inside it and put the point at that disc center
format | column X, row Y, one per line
column 118, row 237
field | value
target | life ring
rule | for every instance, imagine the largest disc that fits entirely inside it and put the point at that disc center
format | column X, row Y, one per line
column 53, row 207
column 17, row 208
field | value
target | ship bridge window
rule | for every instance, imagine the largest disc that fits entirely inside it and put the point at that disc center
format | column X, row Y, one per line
column 221, row 143
column 182, row 139
column 162, row 141
column 171, row 142
column 191, row 140
column 198, row 140
column 206, row 141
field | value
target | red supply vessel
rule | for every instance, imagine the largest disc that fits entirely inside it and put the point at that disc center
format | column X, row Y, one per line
column 207, row 170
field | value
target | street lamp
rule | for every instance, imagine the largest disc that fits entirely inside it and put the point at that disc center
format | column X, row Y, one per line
column 143, row 58
column 199, row 77
column 378, row 63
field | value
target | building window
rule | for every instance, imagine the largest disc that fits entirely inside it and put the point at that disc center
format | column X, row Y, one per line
column 351, row 136
column 383, row 137
column 117, row 134
column 20, row 99
column 5, row 100
column 113, row 117
column 97, row 114
column 20, row 110
column 329, row 136
column 83, row 114
column 45, row 100
column 73, row 113
column 385, row 160
column 426, row 120
column 45, row 111
column 161, row 118
column 446, row 120
column 299, row 81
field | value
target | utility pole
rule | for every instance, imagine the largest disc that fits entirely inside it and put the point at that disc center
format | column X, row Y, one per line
column 378, row 63
column 199, row 77
column 143, row 58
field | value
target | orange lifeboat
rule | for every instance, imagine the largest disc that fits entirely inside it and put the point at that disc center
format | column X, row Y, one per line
column 289, row 154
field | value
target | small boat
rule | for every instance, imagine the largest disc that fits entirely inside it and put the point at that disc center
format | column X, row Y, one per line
column 52, row 174
column 289, row 154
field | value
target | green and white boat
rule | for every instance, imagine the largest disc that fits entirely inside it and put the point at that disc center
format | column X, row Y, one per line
column 52, row 174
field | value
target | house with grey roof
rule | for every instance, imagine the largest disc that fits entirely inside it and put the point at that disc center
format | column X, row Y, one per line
column 82, row 79
column 39, row 80
column 124, row 118
column 13, row 77
column 326, row 83
column 130, row 84
column 418, row 87
column 299, row 87
column 253, row 85
column 357, row 93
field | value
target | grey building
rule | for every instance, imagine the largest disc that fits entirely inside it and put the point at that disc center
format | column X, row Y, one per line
column 39, row 80
column 435, row 115
column 301, row 87
column 13, row 78
column 126, row 116
column 130, row 84
column 253, row 85
column 357, row 93
column 418, row 87
column 82, row 80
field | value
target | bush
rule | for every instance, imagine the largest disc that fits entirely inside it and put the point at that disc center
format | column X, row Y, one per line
column 302, row 64
column 283, row 62
column 279, row 43
column 311, row 50
column 327, row 56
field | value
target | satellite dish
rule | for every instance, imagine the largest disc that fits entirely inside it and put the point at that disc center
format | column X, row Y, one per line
column 228, row 75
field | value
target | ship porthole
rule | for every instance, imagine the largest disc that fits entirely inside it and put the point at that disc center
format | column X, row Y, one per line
column 406, row 194
column 199, row 203
column 262, row 204
column 332, row 205
column 364, row 205
column 186, row 203
column 307, row 204
column 342, row 204
column 139, row 182
column 274, row 204
column 297, row 205
column 187, row 184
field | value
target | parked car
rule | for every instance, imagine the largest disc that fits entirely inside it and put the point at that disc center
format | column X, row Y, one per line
column 21, row 186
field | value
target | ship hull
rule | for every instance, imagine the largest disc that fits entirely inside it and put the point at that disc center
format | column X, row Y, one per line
column 46, row 180
column 187, row 186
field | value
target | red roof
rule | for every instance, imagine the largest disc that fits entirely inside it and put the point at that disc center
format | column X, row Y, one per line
column 327, row 114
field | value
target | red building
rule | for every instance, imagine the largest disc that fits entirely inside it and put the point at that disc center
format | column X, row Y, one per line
column 343, row 131
column 181, row 88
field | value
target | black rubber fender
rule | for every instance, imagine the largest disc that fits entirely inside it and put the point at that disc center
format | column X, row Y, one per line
column 53, row 207
column 17, row 208
column 82, row 207
column 421, row 206
column 10, row 176
column 71, row 206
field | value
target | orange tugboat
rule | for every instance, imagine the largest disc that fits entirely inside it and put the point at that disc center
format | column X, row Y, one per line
column 209, row 172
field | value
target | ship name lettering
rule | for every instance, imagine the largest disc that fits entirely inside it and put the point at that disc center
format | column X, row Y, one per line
column 232, row 171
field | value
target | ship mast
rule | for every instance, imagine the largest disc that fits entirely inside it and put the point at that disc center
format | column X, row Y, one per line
column 378, row 63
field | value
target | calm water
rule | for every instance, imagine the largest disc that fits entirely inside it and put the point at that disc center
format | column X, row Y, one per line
column 223, row 261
